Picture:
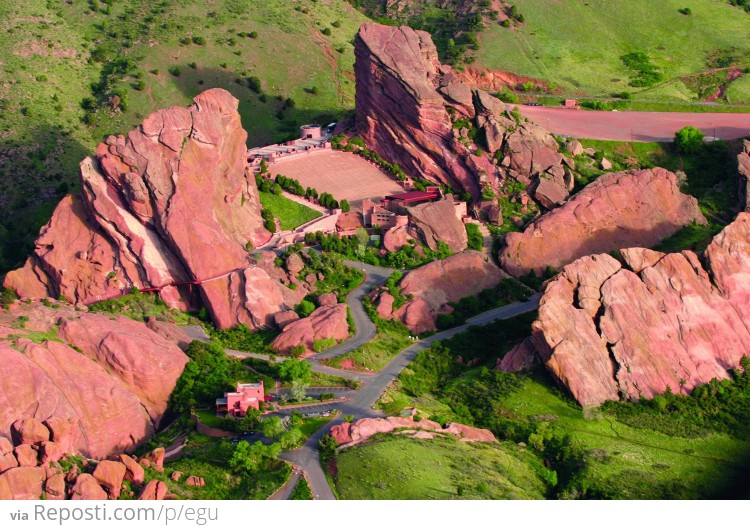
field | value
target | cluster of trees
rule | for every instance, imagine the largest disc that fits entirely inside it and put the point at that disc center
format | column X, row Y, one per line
column 744, row 4
column 293, row 186
column 646, row 73
column 507, row 291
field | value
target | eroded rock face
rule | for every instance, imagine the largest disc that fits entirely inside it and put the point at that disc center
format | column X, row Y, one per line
column 434, row 222
column 622, row 209
column 435, row 284
column 169, row 205
column 402, row 101
column 103, row 396
column 608, row 330
column 326, row 322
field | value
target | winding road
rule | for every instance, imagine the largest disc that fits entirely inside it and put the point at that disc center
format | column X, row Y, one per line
column 359, row 404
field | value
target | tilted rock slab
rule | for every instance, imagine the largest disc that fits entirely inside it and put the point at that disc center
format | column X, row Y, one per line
column 608, row 330
column 402, row 96
column 437, row 221
column 172, row 207
column 351, row 433
column 618, row 210
column 326, row 322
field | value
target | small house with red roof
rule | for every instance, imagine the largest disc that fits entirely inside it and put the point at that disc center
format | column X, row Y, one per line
column 238, row 403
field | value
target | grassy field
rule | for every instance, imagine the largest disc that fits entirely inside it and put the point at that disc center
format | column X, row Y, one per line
column 392, row 338
column 595, row 455
column 398, row 467
column 53, row 52
column 290, row 213
column 577, row 44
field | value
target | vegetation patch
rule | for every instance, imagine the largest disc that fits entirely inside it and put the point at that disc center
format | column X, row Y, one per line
column 290, row 213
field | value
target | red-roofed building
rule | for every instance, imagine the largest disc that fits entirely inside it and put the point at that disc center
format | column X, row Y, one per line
column 396, row 203
column 237, row 404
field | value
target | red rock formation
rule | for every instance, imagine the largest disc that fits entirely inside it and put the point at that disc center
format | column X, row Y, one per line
column 169, row 204
column 154, row 490
column 103, row 396
column 402, row 97
column 437, row 222
column 110, row 474
column 622, row 209
column 23, row 483
column 87, row 488
column 435, row 284
column 133, row 471
column 327, row 322
column 349, row 434
column 608, row 330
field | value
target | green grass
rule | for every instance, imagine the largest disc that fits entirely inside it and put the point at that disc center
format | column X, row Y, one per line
column 208, row 417
column 290, row 213
column 391, row 339
column 311, row 425
column 41, row 123
column 690, row 237
column 139, row 306
column 577, row 44
column 209, row 458
column 302, row 490
column 397, row 467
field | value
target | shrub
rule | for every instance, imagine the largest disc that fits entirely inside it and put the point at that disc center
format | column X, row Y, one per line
column 326, row 31
column 688, row 140
column 174, row 70
column 140, row 85
column 305, row 308
column 201, row 41
column 685, row 11
column 253, row 34
column 475, row 237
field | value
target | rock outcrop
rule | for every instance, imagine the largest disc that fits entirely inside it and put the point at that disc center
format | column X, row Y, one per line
column 349, row 434
column 618, row 210
column 171, row 208
column 432, row 286
column 743, row 160
column 80, row 382
column 437, row 222
column 407, row 110
column 609, row 330
column 329, row 322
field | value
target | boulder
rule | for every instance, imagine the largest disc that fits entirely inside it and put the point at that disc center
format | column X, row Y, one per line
column 385, row 305
column 28, row 431
column 294, row 264
column 195, row 481
column 284, row 318
column 133, row 471
column 176, row 476
column 574, row 147
column 156, row 457
column 609, row 330
column 8, row 461
column 26, row 455
column 470, row 434
column 127, row 228
column 63, row 431
column 327, row 299
column 522, row 357
column 434, row 222
column 434, row 285
column 327, row 322
column 621, row 209
column 23, row 483
column 153, row 490
column 51, row 452
column 110, row 474
column 5, row 446
column 349, row 434
column 54, row 487
column 86, row 487
column 605, row 164
column 396, row 238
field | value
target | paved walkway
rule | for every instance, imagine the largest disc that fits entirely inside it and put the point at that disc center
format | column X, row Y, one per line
column 360, row 404
column 635, row 126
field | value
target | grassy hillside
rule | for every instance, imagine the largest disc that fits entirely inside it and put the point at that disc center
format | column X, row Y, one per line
column 397, row 467
column 596, row 454
column 64, row 63
column 578, row 44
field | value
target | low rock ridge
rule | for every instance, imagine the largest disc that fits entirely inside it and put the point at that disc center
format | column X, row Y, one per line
column 610, row 329
column 106, row 380
column 618, row 210
column 352, row 433
column 431, row 287
column 171, row 208
column 416, row 112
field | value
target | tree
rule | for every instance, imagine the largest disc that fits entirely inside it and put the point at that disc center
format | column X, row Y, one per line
column 250, row 421
column 248, row 459
column 273, row 427
column 294, row 370
column 305, row 308
column 688, row 140
column 299, row 390
column 292, row 438
column 327, row 446
column 345, row 207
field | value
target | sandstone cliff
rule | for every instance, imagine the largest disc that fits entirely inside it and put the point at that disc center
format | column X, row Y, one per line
column 407, row 109
column 609, row 330
column 618, row 210
column 743, row 160
column 170, row 207
column 110, row 377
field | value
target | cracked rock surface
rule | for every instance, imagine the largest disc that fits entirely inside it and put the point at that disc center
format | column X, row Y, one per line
column 609, row 330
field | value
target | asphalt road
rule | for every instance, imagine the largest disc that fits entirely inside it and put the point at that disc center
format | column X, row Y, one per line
column 634, row 125
column 285, row 491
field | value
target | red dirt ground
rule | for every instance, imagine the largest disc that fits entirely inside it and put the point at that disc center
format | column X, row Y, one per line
column 344, row 175
column 636, row 126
